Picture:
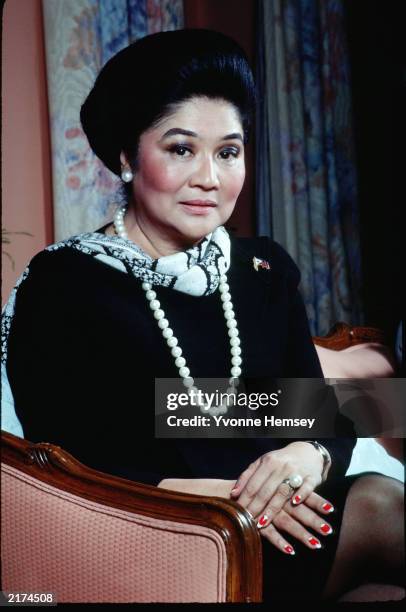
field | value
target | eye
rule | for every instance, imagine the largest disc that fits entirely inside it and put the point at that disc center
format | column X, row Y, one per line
column 180, row 150
column 228, row 154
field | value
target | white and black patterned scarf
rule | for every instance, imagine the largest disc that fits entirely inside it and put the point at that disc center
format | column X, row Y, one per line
column 195, row 271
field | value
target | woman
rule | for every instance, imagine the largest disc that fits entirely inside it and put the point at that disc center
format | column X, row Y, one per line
column 99, row 316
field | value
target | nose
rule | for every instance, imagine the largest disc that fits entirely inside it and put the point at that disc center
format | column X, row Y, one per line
column 205, row 175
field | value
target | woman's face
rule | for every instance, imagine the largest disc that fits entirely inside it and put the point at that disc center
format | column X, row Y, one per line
column 190, row 172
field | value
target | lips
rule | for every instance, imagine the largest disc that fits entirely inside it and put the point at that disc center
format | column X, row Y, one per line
column 198, row 208
column 200, row 203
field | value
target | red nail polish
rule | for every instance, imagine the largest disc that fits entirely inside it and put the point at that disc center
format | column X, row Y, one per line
column 314, row 542
column 289, row 550
column 328, row 508
column 262, row 521
column 297, row 499
column 326, row 529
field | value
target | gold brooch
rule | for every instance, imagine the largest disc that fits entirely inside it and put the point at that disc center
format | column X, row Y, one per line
column 260, row 263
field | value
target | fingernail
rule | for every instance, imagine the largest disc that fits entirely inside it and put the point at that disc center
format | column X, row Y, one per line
column 234, row 489
column 328, row 508
column 262, row 521
column 296, row 500
column 289, row 550
column 326, row 529
column 314, row 542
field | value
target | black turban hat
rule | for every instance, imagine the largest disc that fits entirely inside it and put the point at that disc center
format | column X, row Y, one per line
column 137, row 85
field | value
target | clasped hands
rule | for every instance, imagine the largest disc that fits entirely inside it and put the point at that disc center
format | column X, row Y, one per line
column 261, row 491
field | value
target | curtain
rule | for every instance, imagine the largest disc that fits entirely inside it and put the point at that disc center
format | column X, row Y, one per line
column 305, row 160
column 80, row 36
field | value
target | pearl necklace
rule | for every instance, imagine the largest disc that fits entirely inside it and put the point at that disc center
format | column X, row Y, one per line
column 171, row 339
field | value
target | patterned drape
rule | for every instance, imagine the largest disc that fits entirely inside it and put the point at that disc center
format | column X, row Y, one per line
column 306, row 176
column 80, row 36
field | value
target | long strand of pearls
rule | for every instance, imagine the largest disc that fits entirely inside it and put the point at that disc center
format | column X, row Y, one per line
column 170, row 338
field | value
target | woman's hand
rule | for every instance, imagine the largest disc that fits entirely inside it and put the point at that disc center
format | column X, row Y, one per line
column 260, row 488
column 294, row 520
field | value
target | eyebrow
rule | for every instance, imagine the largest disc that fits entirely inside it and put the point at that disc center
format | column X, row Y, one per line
column 173, row 131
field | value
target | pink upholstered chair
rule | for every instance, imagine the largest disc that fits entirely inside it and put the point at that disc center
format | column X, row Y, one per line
column 91, row 537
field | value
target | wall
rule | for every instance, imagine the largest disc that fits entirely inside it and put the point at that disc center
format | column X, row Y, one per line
column 26, row 172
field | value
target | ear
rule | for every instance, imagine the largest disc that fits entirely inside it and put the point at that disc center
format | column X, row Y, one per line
column 123, row 159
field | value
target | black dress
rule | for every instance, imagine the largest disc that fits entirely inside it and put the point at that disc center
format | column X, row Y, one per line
column 84, row 350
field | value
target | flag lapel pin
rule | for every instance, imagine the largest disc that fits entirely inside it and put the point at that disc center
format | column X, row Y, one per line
column 260, row 263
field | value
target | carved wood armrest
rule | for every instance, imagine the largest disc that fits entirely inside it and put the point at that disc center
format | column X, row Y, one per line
column 342, row 336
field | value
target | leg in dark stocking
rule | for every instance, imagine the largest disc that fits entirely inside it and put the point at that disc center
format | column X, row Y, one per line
column 371, row 543
column 374, row 592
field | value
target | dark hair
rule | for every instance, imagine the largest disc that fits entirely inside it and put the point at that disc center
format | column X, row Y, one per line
column 147, row 79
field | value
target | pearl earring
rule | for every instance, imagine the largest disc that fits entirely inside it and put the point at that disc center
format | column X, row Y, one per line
column 126, row 175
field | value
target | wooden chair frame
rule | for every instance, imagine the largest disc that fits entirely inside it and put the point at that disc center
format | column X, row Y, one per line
column 342, row 336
